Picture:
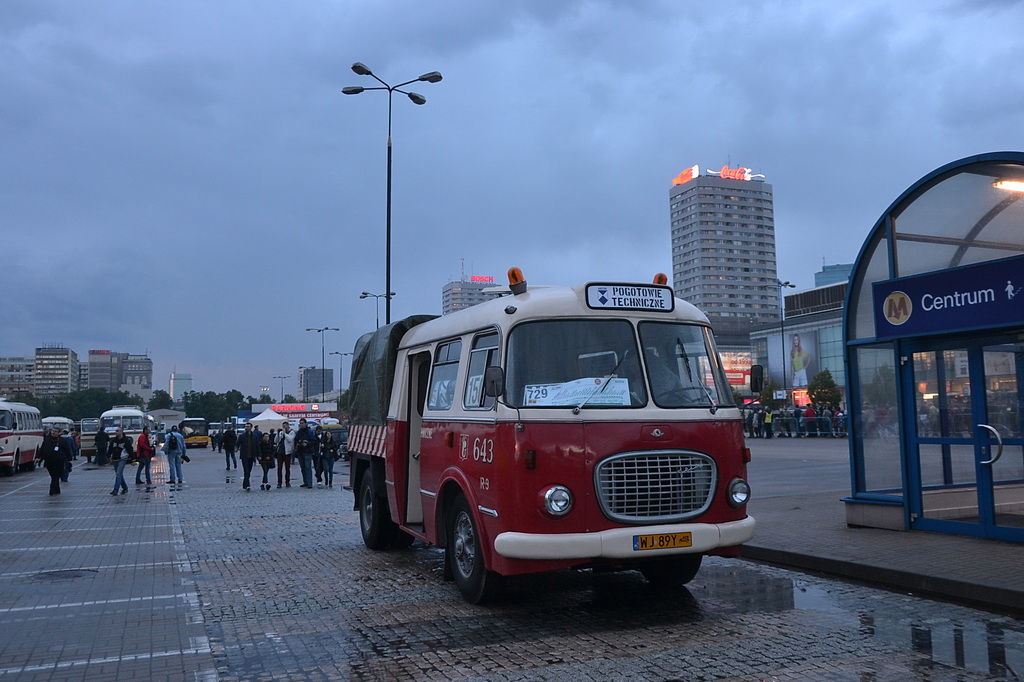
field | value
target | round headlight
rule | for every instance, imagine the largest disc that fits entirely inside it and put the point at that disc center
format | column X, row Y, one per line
column 739, row 492
column 557, row 500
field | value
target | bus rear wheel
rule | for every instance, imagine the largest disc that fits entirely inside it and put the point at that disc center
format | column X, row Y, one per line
column 671, row 571
column 465, row 557
column 375, row 522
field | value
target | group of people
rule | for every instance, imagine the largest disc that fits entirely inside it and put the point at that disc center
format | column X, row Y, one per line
column 313, row 449
column 795, row 421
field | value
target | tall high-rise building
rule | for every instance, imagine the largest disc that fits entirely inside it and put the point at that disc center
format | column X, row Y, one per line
column 465, row 293
column 56, row 371
column 314, row 382
column 180, row 385
column 113, row 371
column 723, row 249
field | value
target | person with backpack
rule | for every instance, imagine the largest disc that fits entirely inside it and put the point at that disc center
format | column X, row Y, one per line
column 174, row 448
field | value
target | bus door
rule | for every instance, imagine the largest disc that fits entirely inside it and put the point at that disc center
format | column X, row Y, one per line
column 965, row 440
column 418, row 376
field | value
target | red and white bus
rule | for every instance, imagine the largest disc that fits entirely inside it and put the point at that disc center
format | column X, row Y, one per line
column 21, row 436
column 556, row 427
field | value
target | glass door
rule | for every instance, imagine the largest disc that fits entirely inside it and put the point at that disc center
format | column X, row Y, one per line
column 966, row 448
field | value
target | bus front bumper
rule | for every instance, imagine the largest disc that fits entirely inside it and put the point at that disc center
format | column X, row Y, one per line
column 620, row 543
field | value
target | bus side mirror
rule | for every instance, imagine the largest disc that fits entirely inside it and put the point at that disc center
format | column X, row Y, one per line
column 756, row 378
column 494, row 382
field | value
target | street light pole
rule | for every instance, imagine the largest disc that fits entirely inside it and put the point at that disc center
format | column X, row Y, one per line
column 362, row 70
column 341, row 370
column 323, row 358
column 282, row 378
column 367, row 294
column 782, row 327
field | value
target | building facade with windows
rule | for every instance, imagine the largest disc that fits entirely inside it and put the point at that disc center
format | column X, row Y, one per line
column 315, row 382
column 56, row 371
column 466, row 292
column 17, row 374
column 723, row 256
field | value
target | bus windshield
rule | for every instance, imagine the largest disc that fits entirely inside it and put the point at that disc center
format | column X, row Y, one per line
column 194, row 427
column 6, row 419
column 596, row 363
column 126, row 422
column 570, row 363
column 90, row 425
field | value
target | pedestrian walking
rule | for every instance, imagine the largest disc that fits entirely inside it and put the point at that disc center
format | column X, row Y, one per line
column 285, row 450
column 121, row 453
column 66, row 435
column 174, row 448
column 229, row 439
column 54, row 453
column 318, row 465
column 328, row 456
column 248, row 452
column 305, row 444
column 102, row 440
column 144, row 451
column 266, row 459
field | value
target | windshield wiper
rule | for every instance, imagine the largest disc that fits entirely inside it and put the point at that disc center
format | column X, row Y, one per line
column 689, row 373
column 603, row 384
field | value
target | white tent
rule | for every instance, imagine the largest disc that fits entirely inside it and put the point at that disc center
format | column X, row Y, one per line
column 269, row 419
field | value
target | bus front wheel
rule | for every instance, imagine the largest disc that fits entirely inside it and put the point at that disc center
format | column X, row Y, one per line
column 465, row 557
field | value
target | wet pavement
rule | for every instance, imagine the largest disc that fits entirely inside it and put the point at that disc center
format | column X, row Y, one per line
column 209, row 582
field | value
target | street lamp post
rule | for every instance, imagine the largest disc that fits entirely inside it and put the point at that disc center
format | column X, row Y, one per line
column 362, row 70
column 282, row 378
column 341, row 370
column 782, row 327
column 323, row 358
column 367, row 294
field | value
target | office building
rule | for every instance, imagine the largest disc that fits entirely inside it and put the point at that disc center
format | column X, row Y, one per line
column 723, row 249
column 466, row 292
column 315, row 382
column 16, row 375
column 180, row 385
column 56, row 371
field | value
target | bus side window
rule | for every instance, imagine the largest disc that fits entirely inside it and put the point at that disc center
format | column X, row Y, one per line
column 483, row 355
column 443, row 376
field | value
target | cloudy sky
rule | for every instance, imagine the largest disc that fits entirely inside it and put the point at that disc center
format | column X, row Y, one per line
column 186, row 179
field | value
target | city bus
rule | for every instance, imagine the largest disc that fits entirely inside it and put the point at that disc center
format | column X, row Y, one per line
column 131, row 419
column 196, row 432
column 555, row 427
column 21, row 436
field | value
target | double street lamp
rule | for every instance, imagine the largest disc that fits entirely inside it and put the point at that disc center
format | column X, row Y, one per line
column 282, row 378
column 341, row 370
column 362, row 70
column 367, row 294
column 323, row 357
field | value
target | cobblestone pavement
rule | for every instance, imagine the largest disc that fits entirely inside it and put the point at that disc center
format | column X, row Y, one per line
column 210, row 582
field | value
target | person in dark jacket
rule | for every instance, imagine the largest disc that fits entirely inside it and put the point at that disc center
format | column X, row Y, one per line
column 305, row 445
column 121, row 453
column 228, row 440
column 328, row 455
column 266, row 459
column 248, row 451
column 54, row 453
column 102, row 439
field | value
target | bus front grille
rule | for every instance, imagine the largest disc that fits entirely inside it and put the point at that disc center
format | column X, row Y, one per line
column 655, row 486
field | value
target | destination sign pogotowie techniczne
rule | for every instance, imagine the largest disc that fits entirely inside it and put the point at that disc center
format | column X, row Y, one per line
column 972, row 297
column 630, row 297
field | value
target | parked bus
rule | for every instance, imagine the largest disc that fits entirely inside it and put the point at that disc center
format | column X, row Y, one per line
column 61, row 423
column 196, row 432
column 87, row 436
column 131, row 419
column 556, row 427
column 21, row 436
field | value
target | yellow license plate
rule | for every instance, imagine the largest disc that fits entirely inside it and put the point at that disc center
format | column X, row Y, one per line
column 662, row 541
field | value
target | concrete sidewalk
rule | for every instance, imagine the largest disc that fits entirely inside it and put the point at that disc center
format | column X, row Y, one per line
column 802, row 528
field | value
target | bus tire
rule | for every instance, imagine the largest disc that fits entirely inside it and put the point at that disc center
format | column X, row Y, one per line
column 671, row 571
column 465, row 557
column 375, row 522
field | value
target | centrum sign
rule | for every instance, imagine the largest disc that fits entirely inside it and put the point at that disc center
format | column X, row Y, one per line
column 972, row 297
column 630, row 297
